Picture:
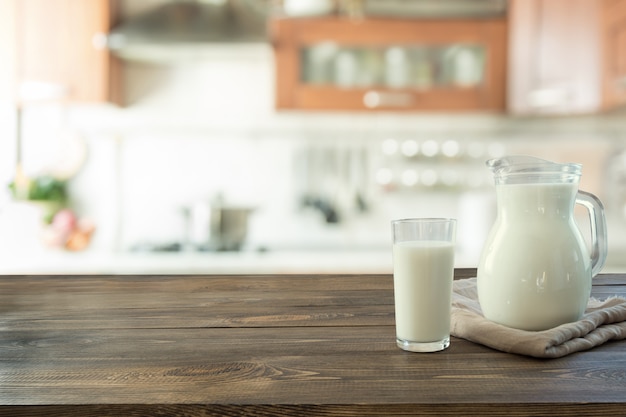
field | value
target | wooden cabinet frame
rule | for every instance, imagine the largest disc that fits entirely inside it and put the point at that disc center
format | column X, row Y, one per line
column 61, row 47
column 290, row 35
column 614, row 80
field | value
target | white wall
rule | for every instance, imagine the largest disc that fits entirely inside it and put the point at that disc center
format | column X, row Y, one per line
column 194, row 130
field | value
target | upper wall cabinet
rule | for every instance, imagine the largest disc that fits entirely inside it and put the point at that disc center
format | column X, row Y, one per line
column 342, row 63
column 614, row 38
column 554, row 56
column 566, row 56
column 61, row 52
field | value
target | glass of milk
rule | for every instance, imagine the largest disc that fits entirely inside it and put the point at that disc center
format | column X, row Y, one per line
column 423, row 269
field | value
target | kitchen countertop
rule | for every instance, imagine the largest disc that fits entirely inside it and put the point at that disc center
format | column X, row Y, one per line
column 245, row 262
column 297, row 261
column 267, row 345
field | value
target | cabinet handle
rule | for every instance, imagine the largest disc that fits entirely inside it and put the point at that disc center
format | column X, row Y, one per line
column 549, row 97
column 42, row 91
column 376, row 99
column 100, row 41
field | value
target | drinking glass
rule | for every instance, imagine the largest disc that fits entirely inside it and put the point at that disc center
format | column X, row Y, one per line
column 423, row 270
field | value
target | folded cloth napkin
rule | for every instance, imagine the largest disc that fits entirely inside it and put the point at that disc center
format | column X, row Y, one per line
column 603, row 320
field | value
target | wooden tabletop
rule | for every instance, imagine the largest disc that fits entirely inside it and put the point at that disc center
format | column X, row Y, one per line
column 292, row 345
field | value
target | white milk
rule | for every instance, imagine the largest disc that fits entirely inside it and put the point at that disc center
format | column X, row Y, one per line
column 422, row 277
column 535, row 270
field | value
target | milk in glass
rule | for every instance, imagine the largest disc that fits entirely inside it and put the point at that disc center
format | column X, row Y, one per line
column 423, row 274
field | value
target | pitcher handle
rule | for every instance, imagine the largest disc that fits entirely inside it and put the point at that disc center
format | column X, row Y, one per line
column 598, row 229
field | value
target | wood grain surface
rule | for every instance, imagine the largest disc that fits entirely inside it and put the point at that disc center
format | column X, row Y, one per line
column 289, row 345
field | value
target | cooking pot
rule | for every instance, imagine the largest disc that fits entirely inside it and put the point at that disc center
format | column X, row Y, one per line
column 217, row 227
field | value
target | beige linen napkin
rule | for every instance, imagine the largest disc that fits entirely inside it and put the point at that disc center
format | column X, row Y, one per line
column 604, row 320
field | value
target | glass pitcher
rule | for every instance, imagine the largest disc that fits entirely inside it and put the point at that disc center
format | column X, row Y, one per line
column 535, row 268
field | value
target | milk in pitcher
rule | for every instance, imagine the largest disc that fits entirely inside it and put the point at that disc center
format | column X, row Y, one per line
column 535, row 268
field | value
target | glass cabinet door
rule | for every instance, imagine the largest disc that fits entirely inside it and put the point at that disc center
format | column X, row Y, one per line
column 412, row 65
column 419, row 67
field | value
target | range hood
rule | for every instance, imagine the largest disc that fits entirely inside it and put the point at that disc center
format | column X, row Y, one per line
column 190, row 29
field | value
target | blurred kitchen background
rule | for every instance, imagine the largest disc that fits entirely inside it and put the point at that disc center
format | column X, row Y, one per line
column 270, row 136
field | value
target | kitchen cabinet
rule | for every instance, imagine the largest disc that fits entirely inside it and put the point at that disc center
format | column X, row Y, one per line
column 61, row 52
column 566, row 56
column 7, row 52
column 554, row 57
column 339, row 63
column 614, row 37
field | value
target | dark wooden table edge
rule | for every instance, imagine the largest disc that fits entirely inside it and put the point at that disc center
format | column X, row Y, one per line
column 191, row 410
